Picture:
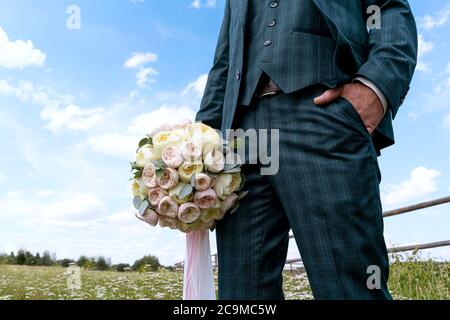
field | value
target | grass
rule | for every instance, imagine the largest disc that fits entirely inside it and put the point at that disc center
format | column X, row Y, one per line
column 410, row 278
column 418, row 279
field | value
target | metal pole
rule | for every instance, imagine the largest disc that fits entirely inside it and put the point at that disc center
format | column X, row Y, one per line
column 415, row 207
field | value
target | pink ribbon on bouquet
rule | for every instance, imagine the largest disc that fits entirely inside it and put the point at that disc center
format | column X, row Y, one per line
column 198, row 272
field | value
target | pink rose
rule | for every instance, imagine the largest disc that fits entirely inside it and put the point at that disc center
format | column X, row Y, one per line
column 191, row 151
column 149, row 176
column 168, row 207
column 202, row 182
column 167, row 222
column 205, row 199
column 155, row 196
column 172, row 157
column 169, row 179
column 189, row 212
column 228, row 204
column 150, row 217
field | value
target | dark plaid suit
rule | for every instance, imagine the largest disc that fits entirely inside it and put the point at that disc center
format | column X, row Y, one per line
column 327, row 189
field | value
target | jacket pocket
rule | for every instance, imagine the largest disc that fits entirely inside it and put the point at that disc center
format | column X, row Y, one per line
column 351, row 111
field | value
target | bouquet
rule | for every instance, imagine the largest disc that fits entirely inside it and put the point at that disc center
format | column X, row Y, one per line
column 186, row 177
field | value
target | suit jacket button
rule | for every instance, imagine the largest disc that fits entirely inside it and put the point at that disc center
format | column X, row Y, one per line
column 238, row 75
column 272, row 23
column 274, row 4
column 267, row 43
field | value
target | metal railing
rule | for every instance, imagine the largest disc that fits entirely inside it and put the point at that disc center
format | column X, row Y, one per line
column 396, row 212
column 387, row 214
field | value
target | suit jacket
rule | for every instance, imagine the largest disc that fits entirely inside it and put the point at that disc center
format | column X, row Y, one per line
column 387, row 57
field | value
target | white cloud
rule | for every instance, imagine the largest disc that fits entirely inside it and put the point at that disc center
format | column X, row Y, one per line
column 74, row 207
column 69, row 210
column 145, row 77
column 420, row 185
column 42, row 95
column 71, row 117
column 424, row 48
column 138, row 59
column 19, row 54
column 198, row 4
column 438, row 19
column 146, row 122
column 114, row 144
column 123, row 144
column 58, row 110
column 198, row 86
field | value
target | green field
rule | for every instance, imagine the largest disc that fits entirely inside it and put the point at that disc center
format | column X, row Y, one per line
column 409, row 280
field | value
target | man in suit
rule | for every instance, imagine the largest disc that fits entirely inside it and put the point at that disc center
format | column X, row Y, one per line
column 312, row 70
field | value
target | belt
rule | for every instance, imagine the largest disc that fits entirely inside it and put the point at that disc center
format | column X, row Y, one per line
column 267, row 88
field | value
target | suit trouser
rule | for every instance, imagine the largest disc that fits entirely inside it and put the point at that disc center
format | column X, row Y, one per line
column 326, row 191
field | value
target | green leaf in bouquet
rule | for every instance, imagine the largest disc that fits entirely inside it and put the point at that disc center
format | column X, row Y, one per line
column 230, row 166
column 213, row 227
column 137, row 202
column 159, row 173
column 159, row 164
column 138, row 174
column 193, row 180
column 213, row 175
column 143, row 207
column 235, row 170
column 235, row 208
column 242, row 195
column 143, row 142
column 185, row 191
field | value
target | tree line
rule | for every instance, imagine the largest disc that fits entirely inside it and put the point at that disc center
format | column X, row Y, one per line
column 26, row 258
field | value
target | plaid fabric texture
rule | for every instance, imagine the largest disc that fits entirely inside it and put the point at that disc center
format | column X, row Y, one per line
column 327, row 191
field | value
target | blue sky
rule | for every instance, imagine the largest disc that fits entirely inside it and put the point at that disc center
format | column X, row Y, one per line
column 74, row 102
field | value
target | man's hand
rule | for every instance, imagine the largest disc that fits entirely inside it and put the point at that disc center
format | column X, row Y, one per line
column 363, row 99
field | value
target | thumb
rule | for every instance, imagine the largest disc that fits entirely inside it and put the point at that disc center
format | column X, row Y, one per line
column 328, row 96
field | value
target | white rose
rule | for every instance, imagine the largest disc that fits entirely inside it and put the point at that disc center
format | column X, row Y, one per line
column 214, row 161
column 227, row 183
column 209, row 215
column 188, row 169
column 140, row 188
column 167, row 139
column 204, row 135
column 145, row 156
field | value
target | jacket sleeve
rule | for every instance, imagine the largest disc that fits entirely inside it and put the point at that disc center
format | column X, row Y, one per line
column 211, row 106
column 392, row 51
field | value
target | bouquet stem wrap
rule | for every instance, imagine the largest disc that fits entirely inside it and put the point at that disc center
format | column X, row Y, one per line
column 198, row 272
